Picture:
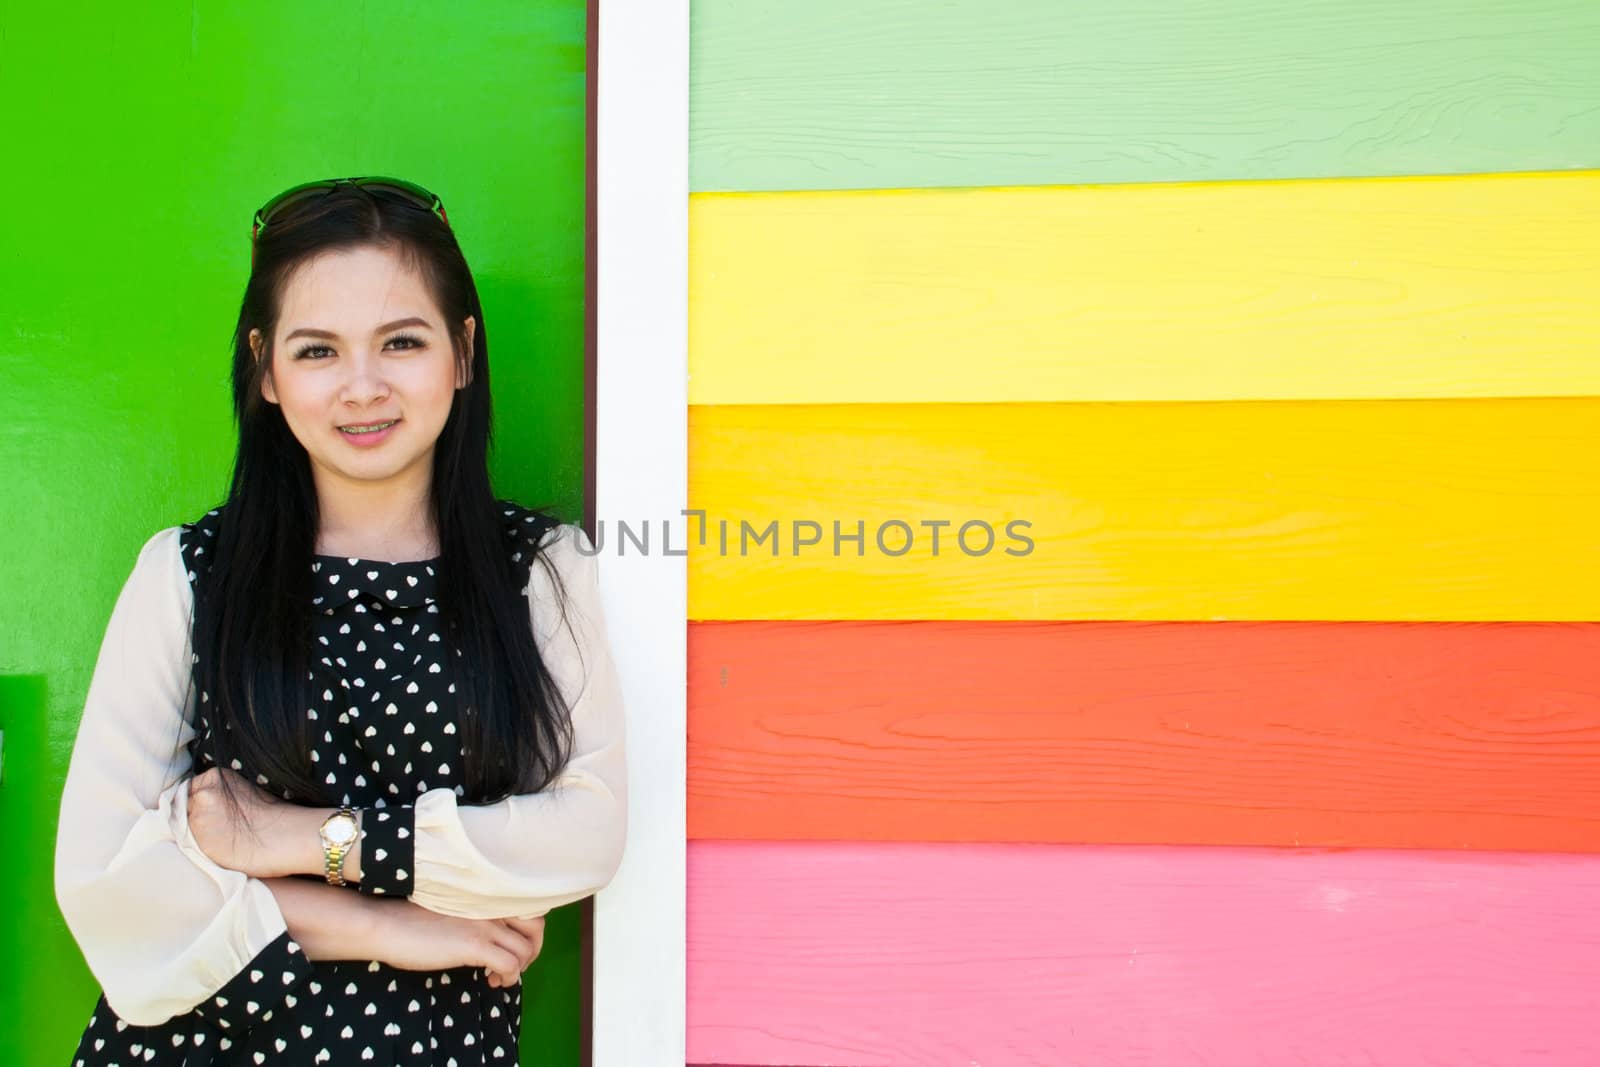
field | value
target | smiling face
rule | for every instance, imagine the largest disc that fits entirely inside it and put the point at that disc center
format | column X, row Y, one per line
column 362, row 367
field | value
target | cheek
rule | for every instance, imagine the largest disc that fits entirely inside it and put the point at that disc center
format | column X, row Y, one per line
column 298, row 396
column 436, row 387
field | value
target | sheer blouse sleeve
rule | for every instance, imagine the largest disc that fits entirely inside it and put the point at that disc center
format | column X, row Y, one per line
column 525, row 854
column 163, row 928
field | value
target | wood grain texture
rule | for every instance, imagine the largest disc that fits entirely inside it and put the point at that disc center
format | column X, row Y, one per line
column 1352, row 510
column 1391, row 735
column 1399, row 287
column 1012, row 955
column 839, row 95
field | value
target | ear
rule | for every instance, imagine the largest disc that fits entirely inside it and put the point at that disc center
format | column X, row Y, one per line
column 268, row 391
column 464, row 367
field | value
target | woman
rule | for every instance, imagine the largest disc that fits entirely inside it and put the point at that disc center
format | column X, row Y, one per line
column 353, row 732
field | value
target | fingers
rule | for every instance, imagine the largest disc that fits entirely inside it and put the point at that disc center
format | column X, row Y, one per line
column 523, row 938
column 518, row 944
column 207, row 799
column 533, row 931
column 206, row 779
column 203, row 796
column 503, row 966
column 533, row 927
column 211, row 779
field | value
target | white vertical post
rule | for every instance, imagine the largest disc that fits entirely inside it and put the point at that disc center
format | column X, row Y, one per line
column 641, row 472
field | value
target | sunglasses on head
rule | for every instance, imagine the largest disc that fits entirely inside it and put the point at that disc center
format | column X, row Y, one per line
column 398, row 187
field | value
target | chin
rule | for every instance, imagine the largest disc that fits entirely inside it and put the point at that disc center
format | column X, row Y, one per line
column 377, row 471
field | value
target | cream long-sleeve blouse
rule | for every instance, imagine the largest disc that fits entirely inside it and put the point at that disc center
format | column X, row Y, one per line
column 169, row 934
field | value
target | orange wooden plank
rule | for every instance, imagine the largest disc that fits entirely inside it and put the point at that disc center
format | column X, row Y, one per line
column 1432, row 735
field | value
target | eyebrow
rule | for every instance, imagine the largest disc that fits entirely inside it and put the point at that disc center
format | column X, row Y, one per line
column 311, row 331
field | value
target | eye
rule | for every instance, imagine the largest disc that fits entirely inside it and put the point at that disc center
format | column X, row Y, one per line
column 308, row 352
column 411, row 342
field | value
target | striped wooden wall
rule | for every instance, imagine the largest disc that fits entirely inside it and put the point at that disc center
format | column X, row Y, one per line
column 1271, row 329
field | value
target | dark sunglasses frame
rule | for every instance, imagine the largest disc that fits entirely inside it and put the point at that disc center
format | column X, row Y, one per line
column 410, row 191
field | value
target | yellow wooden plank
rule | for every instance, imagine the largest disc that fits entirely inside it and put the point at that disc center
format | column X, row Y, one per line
column 1338, row 510
column 1464, row 286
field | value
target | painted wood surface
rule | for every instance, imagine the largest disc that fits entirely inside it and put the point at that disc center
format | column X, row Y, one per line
column 142, row 137
column 1352, row 510
column 1404, row 287
column 1008, row 955
column 638, row 236
column 1393, row 735
column 1009, row 792
column 834, row 94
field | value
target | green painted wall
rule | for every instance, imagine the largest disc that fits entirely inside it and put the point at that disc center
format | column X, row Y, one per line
column 139, row 140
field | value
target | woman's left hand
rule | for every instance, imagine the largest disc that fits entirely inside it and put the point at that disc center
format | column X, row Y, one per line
column 272, row 840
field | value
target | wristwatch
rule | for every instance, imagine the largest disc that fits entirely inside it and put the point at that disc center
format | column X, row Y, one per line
column 339, row 832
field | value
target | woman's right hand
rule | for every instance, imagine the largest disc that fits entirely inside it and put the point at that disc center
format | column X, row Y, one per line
column 416, row 939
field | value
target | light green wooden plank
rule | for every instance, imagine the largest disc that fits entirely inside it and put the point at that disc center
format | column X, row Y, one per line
column 861, row 94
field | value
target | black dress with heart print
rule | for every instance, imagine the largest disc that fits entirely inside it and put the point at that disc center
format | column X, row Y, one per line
column 381, row 679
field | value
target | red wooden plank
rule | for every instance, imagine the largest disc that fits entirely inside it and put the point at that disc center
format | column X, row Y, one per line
column 1436, row 735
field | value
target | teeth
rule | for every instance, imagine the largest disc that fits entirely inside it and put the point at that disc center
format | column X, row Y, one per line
column 367, row 429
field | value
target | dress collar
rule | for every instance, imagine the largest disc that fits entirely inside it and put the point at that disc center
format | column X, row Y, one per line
column 346, row 581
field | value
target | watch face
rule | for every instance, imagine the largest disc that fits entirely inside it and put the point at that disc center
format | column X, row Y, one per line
column 340, row 829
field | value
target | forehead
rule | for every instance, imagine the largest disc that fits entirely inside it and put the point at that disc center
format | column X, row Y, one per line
column 352, row 290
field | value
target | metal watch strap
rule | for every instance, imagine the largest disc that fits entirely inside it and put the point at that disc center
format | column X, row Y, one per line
column 333, row 854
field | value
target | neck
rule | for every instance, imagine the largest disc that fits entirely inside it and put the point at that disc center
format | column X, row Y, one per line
column 389, row 520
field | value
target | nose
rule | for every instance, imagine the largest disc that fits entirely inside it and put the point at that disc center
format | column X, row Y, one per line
column 365, row 383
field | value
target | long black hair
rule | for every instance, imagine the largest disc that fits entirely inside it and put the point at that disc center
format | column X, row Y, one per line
column 253, row 606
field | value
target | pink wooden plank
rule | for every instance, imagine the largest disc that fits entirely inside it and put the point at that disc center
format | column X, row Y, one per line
column 878, row 953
